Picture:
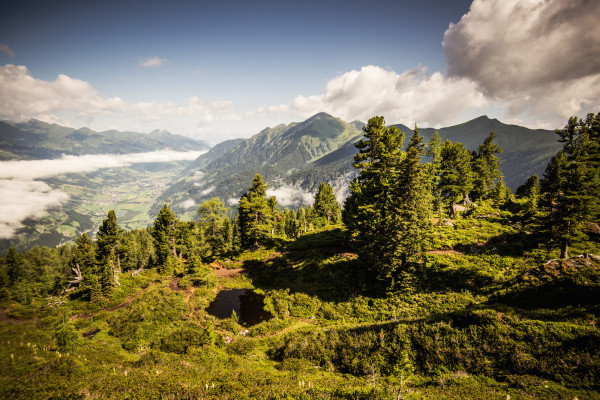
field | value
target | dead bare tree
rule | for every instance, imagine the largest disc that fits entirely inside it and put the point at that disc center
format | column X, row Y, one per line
column 76, row 280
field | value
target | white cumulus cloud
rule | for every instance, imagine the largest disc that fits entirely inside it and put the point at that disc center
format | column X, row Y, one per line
column 291, row 196
column 74, row 102
column 413, row 96
column 536, row 56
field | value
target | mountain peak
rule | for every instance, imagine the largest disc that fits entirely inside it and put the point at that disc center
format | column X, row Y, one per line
column 320, row 115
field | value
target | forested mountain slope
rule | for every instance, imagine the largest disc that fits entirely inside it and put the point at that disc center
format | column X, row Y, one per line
column 321, row 149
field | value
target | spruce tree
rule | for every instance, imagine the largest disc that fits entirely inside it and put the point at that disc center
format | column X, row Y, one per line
column 107, row 242
column 165, row 236
column 255, row 214
column 486, row 167
column 371, row 209
column 326, row 205
column 413, row 202
column 456, row 176
column 212, row 216
column 571, row 184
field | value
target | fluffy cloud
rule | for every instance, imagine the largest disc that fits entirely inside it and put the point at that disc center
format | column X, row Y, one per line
column 189, row 203
column 291, row 196
column 538, row 56
column 208, row 190
column 413, row 96
column 24, row 197
column 23, row 97
column 6, row 49
column 153, row 62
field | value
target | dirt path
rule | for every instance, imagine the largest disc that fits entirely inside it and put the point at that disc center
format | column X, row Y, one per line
column 446, row 252
column 115, row 308
column 5, row 317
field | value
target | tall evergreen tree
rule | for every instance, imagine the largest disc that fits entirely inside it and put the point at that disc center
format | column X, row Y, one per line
column 456, row 176
column 165, row 237
column 14, row 265
column 326, row 205
column 255, row 214
column 84, row 256
column 571, row 182
column 371, row 209
column 107, row 255
column 413, row 202
column 434, row 150
column 212, row 216
column 486, row 167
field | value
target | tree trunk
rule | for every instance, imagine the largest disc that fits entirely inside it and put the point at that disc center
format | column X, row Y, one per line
column 564, row 249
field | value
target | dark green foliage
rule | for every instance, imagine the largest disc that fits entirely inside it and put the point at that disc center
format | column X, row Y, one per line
column 165, row 235
column 370, row 211
column 326, row 205
column 255, row 214
column 84, row 256
column 486, row 167
column 571, row 184
column 180, row 340
column 213, row 214
column 456, row 175
column 66, row 336
column 108, row 251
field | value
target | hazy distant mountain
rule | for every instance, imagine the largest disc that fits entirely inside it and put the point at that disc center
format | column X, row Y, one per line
column 36, row 140
column 321, row 149
column 215, row 152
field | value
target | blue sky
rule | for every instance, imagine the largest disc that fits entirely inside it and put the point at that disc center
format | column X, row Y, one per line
column 227, row 69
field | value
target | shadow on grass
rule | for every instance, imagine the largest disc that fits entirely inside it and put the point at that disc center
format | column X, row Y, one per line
column 322, row 273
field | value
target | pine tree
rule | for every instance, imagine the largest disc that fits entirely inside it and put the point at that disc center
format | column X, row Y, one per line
column 107, row 242
column 413, row 202
column 456, row 176
column 165, row 236
column 434, row 150
column 255, row 214
column 14, row 265
column 371, row 210
column 571, row 184
column 486, row 167
column 212, row 216
column 531, row 192
column 326, row 205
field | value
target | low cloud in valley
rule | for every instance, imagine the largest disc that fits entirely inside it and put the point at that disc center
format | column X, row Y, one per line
column 25, row 196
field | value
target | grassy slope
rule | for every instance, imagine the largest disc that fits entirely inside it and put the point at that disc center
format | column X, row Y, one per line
column 485, row 321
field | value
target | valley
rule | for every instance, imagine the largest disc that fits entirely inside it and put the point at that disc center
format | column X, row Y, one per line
column 130, row 191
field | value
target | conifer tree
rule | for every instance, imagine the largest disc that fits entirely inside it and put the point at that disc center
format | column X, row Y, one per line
column 434, row 150
column 413, row 202
column 532, row 196
column 14, row 265
column 371, row 209
column 486, row 167
column 456, row 176
column 571, row 182
column 165, row 237
column 107, row 242
column 326, row 205
column 212, row 216
column 255, row 214
column 84, row 256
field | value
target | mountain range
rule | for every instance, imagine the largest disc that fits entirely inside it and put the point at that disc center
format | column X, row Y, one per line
column 321, row 149
column 39, row 140
column 293, row 160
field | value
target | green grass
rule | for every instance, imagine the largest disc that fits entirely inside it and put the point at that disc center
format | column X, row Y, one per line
column 480, row 323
